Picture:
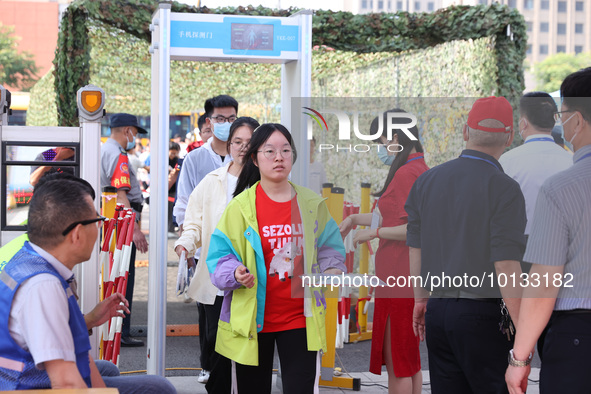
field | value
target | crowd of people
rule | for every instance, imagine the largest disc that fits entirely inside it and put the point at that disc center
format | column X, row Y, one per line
column 251, row 234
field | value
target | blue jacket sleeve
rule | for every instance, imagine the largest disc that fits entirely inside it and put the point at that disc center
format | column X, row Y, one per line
column 331, row 251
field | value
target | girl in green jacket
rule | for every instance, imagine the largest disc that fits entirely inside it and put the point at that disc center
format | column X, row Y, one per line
column 271, row 234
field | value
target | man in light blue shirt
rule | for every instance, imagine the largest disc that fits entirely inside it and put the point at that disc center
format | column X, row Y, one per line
column 558, row 298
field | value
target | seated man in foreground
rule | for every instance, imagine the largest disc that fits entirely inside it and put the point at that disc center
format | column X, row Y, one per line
column 44, row 339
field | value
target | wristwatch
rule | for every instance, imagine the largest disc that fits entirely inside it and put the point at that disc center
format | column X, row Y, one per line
column 519, row 363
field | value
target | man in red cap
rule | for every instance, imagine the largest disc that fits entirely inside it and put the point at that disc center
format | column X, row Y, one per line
column 466, row 221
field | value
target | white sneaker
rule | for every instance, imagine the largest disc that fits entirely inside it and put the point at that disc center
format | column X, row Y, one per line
column 203, row 376
column 187, row 299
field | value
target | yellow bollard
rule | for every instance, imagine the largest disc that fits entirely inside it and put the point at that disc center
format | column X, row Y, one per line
column 326, row 188
column 335, row 202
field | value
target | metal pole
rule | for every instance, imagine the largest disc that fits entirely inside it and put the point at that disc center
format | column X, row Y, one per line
column 156, row 349
column 90, row 155
column 296, row 82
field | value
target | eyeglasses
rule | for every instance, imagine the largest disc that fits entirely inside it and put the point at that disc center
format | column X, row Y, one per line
column 71, row 227
column 222, row 119
column 558, row 115
column 272, row 153
column 240, row 144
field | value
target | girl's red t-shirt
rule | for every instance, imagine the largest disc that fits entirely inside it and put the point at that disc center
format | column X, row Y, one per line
column 282, row 237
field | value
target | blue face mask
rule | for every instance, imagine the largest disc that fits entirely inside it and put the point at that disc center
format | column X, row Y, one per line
column 222, row 130
column 130, row 144
column 384, row 157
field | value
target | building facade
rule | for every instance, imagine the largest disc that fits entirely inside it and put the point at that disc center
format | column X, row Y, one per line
column 553, row 26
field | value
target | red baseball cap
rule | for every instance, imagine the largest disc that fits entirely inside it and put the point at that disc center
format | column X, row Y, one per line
column 492, row 107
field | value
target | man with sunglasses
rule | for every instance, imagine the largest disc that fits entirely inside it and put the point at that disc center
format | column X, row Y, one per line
column 558, row 300
column 220, row 113
column 43, row 334
column 116, row 172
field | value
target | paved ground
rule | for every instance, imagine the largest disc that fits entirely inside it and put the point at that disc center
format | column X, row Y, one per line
column 182, row 353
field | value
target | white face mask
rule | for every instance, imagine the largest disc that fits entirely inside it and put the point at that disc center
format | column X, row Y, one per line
column 569, row 144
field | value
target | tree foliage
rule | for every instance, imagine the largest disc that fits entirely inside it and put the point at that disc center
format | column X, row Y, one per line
column 551, row 71
column 16, row 69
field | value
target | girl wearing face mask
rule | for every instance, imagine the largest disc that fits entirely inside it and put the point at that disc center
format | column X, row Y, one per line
column 393, row 341
column 204, row 209
column 272, row 232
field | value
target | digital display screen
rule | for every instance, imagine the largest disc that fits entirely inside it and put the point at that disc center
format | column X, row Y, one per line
column 252, row 36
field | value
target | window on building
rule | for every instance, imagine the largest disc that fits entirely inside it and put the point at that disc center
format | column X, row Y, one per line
column 380, row 4
column 560, row 48
column 528, row 50
column 512, row 3
column 485, row 2
column 528, row 4
column 561, row 29
column 389, row 5
column 543, row 49
column 399, row 5
column 579, row 6
column 545, row 5
column 579, row 28
column 371, row 4
column 417, row 5
column 562, row 6
column 544, row 27
column 530, row 26
column 364, row 4
column 430, row 6
column 578, row 49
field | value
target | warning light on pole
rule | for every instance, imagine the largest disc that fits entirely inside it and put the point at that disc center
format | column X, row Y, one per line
column 91, row 100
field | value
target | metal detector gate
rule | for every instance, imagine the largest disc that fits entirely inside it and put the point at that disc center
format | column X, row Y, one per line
column 213, row 38
column 24, row 147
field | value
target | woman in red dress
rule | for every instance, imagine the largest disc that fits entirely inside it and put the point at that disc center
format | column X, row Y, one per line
column 393, row 341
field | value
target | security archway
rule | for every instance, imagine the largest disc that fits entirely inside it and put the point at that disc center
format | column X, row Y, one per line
column 223, row 38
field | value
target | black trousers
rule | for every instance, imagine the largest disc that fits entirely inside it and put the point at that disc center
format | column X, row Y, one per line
column 219, row 367
column 467, row 352
column 125, row 328
column 208, row 330
column 298, row 365
column 567, row 350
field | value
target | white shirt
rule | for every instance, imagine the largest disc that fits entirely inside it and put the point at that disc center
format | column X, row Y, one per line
column 531, row 164
column 196, row 165
column 204, row 210
column 39, row 315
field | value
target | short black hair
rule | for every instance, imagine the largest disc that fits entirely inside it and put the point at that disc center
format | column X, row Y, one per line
column 54, row 206
column 219, row 102
column 56, row 176
column 201, row 121
column 538, row 108
column 576, row 92
column 174, row 146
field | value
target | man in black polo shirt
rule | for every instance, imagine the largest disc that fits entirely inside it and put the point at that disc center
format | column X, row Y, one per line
column 466, row 222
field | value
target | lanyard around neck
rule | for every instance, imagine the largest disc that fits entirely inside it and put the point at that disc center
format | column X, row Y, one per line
column 540, row 139
column 480, row 158
column 414, row 158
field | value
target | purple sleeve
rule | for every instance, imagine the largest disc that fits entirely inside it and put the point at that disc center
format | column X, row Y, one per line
column 223, row 276
column 330, row 258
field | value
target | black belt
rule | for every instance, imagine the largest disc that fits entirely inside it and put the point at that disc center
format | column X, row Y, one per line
column 462, row 294
column 137, row 206
column 573, row 312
